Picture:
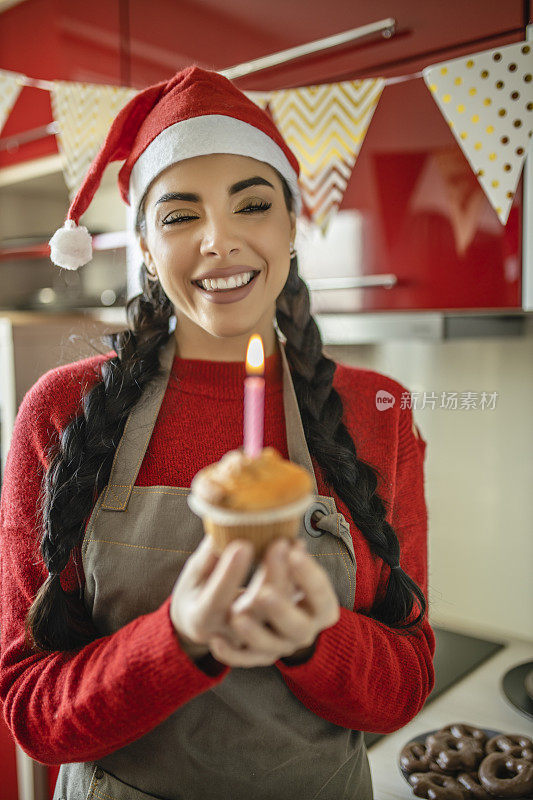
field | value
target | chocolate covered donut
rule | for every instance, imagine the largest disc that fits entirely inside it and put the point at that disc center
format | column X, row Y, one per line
column 450, row 754
column 503, row 775
column 413, row 757
column 471, row 783
column 512, row 744
column 463, row 731
column 461, row 761
column 435, row 786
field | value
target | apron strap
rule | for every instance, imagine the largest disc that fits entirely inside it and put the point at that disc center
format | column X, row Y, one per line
column 296, row 442
column 141, row 421
column 137, row 433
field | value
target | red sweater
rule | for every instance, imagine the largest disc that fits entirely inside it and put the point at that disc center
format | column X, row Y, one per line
column 82, row 705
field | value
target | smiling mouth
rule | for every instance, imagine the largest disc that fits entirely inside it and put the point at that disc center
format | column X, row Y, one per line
column 229, row 288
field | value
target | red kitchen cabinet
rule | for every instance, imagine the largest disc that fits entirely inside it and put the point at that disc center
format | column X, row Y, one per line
column 426, row 219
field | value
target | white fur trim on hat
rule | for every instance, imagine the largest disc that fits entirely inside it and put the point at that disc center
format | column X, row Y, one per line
column 200, row 136
column 71, row 246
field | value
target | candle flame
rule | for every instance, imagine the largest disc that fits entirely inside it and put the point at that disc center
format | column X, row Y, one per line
column 255, row 356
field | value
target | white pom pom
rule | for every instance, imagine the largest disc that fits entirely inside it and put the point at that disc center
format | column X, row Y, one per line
column 70, row 246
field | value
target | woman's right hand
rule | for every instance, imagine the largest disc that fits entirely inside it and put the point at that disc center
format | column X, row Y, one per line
column 204, row 591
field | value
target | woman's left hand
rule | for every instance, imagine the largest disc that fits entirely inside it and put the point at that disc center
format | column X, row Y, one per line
column 265, row 618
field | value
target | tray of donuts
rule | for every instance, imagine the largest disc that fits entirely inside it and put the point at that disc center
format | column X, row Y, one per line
column 461, row 761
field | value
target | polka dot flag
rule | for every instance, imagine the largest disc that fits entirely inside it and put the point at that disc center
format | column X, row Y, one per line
column 10, row 88
column 487, row 99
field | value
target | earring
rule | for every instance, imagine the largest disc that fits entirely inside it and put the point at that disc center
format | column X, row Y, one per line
column 292, row 251
column 151, row 275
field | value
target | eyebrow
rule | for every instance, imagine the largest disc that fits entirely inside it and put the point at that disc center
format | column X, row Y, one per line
column 191, row 197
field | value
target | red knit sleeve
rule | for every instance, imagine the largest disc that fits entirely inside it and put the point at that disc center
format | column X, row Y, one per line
column 80, row 705
column 363, row 674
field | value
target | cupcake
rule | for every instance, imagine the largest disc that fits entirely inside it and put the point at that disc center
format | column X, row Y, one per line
column 259, row 499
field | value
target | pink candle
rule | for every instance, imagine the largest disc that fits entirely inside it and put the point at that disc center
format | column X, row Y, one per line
column 254, row 398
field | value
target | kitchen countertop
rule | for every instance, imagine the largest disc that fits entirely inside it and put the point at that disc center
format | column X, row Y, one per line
column 477, row 699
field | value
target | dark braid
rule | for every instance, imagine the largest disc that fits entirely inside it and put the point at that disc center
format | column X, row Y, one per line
column 329, row 442
column 80, row 468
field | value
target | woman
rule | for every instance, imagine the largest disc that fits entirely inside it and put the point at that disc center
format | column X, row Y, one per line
column 133, row 654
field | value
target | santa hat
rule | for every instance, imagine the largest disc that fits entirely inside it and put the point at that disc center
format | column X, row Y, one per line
column 195, row 113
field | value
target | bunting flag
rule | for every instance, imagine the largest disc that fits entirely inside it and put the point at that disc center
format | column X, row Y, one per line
column 261, row 99
column 10, row 88
column 325, row 126
column 84, row 113
column 487, row 99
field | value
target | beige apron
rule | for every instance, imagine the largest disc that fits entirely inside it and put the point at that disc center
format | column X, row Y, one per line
column 249, row 737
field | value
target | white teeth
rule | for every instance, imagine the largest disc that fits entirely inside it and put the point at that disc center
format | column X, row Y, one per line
column 226, row 283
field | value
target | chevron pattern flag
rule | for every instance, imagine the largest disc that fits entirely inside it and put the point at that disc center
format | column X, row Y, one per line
column 10, row 88
column 84, row 113
column 325, row 126
column 261, row 99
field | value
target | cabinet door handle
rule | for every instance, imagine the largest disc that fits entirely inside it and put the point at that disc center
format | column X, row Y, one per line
column 363, row 282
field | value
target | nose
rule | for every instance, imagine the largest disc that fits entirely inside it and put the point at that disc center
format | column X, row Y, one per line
column 219, row 239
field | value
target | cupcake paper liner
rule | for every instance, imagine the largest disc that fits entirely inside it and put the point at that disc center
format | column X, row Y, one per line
column 259, row 527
